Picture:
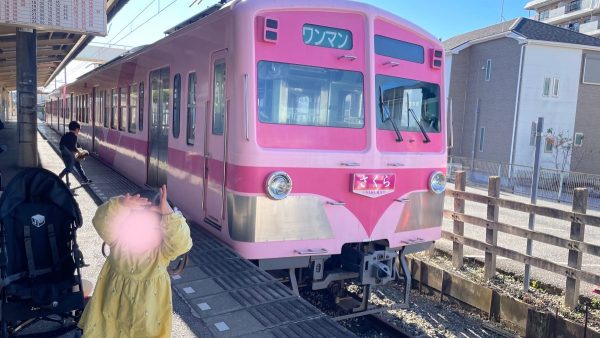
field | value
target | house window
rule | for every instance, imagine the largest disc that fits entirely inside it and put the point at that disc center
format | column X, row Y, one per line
column 549, row 145
column 544, row 15
column 573, row 6
column 488, row 70
column 591, row 69
column 481, row 138
column 573, row 26
column 555, row 87
column 578, row 141
column 547, row 85
column 533, row 134
column 191, row 109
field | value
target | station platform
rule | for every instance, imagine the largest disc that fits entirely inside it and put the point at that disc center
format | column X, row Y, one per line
column 219, row 294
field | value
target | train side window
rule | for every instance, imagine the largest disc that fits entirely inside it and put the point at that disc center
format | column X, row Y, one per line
column 70, row 116
column 141, row 107
column 218, row 97
column 107, row 100
column 114, row 119
column 97, row 105
column 87, row 108
column 105, row 111
column 191, row 109
column 123, row 109
column 133, row 99
column 176, row 104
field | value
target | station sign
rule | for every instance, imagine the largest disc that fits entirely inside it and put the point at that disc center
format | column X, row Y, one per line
column 78, row 16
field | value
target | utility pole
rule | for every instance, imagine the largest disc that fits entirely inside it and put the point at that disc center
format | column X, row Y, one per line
column 27, row 97
column 534, row 190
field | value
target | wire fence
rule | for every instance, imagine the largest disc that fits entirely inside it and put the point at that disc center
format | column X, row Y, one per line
column 554, row 185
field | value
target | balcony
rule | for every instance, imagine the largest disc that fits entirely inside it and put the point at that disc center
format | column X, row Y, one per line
column 556, row 12
column 590, row 28
column 573, row 10
column 539, row 3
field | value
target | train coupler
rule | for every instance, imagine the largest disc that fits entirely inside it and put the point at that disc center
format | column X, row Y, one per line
column 374, row 268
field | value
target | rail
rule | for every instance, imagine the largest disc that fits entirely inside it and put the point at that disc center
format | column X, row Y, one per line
column 575, row 244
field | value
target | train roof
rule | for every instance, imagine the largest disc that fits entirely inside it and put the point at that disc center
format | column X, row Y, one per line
column 260, row 5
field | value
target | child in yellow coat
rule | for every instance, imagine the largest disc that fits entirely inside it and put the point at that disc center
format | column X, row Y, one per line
column 132, row 297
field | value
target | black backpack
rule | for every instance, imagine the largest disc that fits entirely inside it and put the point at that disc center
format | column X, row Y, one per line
column 38, row 222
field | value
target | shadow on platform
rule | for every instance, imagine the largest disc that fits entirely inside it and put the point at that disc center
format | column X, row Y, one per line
column 9, row 158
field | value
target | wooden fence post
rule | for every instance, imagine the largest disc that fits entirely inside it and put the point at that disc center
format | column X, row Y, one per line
column 580, row 200
column 460, row 183
column 491, row 233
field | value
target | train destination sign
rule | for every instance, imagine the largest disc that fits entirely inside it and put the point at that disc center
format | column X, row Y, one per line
column 329, row 37
column 81, row 16
column 373, row 185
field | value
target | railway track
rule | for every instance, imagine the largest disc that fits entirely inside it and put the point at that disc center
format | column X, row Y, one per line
column 389, row 329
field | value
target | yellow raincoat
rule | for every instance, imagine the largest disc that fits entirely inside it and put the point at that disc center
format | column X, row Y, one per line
column 132, row 297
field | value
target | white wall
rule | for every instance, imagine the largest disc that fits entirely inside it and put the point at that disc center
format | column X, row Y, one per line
column 447, row 74
column 558, row 113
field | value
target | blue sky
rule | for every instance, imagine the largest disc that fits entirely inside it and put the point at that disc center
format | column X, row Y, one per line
column 143, row 22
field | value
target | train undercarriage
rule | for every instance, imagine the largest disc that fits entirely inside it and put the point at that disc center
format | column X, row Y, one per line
column 362, row 264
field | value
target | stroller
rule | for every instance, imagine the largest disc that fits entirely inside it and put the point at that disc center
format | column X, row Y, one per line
column 39, row 258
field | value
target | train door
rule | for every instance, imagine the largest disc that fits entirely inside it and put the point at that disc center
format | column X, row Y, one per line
column 215, row 146
column 158, row 133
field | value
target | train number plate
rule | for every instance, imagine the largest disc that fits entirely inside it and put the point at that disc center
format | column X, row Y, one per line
column 373, row 185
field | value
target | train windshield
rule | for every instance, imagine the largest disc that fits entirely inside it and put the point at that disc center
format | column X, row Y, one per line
column 411, row 104
column 310, row 96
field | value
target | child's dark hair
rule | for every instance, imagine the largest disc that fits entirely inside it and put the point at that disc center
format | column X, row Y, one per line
column 153, row 195
column 74, row 125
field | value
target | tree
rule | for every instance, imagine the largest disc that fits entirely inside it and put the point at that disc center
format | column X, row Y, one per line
column 562, row 145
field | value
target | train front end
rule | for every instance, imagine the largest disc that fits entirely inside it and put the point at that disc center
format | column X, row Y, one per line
column 344, row 139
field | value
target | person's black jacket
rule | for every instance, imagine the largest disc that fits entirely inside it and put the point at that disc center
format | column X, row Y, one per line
column 69, row 141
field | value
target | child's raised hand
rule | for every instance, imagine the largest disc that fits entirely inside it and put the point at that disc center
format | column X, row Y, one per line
column 134, row 202
column 165, row 208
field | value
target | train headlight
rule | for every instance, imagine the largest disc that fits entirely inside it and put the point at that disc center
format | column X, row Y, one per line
column 437, row 182
column 278, row 185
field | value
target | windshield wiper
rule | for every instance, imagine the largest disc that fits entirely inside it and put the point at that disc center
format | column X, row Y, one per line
column 412, row 112
column 385, row 116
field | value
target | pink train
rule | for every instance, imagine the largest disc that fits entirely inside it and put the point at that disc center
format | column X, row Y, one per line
column 307, row 135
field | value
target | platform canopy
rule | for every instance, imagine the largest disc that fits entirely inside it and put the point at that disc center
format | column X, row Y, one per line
column 55, row 49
